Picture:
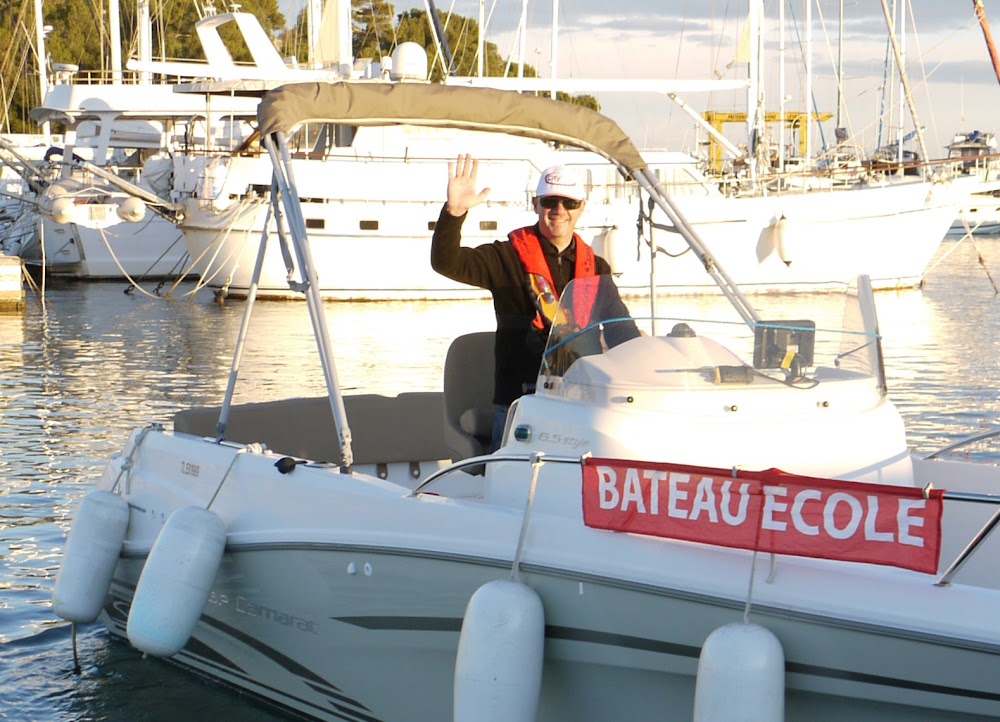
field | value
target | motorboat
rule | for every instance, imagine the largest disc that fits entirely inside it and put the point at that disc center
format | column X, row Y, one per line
column 717, row 518
column 103, row 191
column 974, row 154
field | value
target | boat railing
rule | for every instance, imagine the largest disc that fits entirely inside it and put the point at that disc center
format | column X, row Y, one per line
column 64, row 74
column 474, row 461
column 968, row 440
column 536, row 459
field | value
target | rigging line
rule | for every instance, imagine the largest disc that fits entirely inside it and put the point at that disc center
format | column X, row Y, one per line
column 839, row 74
column 198, row 283
column 677, row 59
column 114, row 257
column 979, row 254
column 945, row 256
column 237, row 248
column 19, row 20
column 811, row 104
column 374, row 27
column 30, row 281
column 162, row 256
column 905, row 81
column 924, row 83
column 393, row 29
column 487, row 22
column 218, row 243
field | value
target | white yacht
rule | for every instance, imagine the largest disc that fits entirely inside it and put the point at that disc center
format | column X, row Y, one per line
column 770, row 240
column 975, row 154
column 105, row 206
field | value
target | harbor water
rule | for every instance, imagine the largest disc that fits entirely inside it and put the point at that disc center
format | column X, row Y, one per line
column 90, row 363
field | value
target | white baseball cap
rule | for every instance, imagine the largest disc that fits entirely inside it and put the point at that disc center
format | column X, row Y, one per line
column 558, row 180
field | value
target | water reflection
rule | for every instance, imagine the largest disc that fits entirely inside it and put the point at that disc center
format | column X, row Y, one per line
column 91, row 364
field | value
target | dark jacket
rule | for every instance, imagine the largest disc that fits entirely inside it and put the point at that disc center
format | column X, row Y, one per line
column 497, row 267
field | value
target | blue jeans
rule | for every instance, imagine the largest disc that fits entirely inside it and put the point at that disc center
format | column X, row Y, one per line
column 499, row 421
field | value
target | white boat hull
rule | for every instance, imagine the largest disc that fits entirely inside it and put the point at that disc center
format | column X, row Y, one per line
column 379, row 248
column 149, row 249
column 342, row 575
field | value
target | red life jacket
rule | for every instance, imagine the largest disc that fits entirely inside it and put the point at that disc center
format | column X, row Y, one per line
column 529, row 251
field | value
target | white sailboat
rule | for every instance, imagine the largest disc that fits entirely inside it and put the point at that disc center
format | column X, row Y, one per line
column 771, row 239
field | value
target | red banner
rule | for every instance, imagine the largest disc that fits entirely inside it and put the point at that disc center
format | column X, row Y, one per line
column 770, row 511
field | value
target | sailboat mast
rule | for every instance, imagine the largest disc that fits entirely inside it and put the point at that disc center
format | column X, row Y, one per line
column 522, row 30
column 900, row 132
column 808, row 125
column 145, row 24
column 840, row 67
column 554, row 64
column 480, row 41
column 781, row 87
column 985, row 25
column 43, row 76
column 115, row 40
column 904, row 80
column 754, row 90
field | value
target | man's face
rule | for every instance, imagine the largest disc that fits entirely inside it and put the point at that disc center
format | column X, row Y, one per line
column 557, row 221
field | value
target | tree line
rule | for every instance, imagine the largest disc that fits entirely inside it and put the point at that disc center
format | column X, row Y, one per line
column 79, row 35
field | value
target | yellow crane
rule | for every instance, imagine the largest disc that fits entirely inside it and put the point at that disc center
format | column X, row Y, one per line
column 793, row 121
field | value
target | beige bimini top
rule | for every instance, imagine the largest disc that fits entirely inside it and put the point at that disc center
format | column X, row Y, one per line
column 483, row 109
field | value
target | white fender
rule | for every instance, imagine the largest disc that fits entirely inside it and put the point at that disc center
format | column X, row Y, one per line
column 132, row 210
column 784, row 239
column 91, row 555
column 741, row 676
column 61, row 210
column 498, row 671
column 176, row 581
column 606, row 246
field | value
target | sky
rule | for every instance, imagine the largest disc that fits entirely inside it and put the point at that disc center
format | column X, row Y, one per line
column 952, row 80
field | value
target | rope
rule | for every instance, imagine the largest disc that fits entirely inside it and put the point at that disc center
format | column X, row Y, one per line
column 76, row 655
column 654, row 247
column 202, row 281
column 536, row 466
column 121, row 269
column 128, row 463
column 249, row 448
column 979, row 254
column 218, row 244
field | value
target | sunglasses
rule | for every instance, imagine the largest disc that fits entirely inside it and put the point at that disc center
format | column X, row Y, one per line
column 550, row 202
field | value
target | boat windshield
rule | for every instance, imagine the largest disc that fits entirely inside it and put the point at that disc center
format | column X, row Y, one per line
column 800, row 339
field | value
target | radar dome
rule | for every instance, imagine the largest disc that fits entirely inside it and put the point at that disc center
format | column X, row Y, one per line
column 409, row 62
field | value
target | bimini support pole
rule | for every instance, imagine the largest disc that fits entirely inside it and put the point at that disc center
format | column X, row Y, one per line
column 227, row 400
column 647, row 181
column 284, row 184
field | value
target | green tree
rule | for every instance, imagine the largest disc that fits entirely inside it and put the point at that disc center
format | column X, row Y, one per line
column 295, row 40
column 80, row 37
column 174, row 35
column 373, row 28
column 462, row 34
column 19, row 86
